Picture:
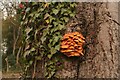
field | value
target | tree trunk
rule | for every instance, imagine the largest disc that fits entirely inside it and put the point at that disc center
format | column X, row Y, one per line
column 98, row 24
column 101, row 31
column 105, row 62
column 7, row 64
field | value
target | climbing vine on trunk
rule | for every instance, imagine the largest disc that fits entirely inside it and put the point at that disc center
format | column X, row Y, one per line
column 43, row 25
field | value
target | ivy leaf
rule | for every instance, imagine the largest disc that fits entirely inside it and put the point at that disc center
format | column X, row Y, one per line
column 49, row 56
column 72, row 5
column 34, row 3
column 55, row 11
column 56, row 38
column 46, row 5
column 63, row 10
column 50, row 40
column 72, row 15
column 38, row 57
column 31, row 62
column 43, row 38
column 45, row 32
column 57, row 47
column 31, row 14
column 61, row 27
column 55, row 23
column 49, row 45
column 28, row 52
column 52, row 73
column 66, row 19
column 28, row 9
column 28, row 30
column 27, row 38
column 51, row 18
column 53, row 50
column 52, row 30
column 66, row 14
column 57, row 34
column 47, row 21
column 46, row 16
column 32, row 49
column 41, row 27
column 35, row 36
column 60, row 5
column 40, row 9
column 37, row 15
column 49, row 26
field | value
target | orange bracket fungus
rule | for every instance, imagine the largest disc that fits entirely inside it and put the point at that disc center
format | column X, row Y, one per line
column 72, row 44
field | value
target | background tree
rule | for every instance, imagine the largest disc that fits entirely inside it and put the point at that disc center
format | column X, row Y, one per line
column 10, row 30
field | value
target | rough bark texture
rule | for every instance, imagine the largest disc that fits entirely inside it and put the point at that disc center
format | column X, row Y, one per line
column 96, row 21
column 97, row 24
column 105, row 63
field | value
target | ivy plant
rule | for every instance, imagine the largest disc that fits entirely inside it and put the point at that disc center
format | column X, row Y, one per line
column 43, row 25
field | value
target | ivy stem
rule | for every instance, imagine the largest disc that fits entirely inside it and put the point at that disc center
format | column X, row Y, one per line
column 34, row 70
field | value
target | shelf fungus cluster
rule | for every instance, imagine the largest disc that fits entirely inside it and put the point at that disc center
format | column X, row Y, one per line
column 72, row 44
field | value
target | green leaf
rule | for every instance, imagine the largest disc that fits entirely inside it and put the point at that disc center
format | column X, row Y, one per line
column 41, row 27
column 45, row 32
column 52, row 30
column 50, row 40
column 72, row 5
column 46, row 74
column 49, row 45
column 37, row 15
column 49, row 56
column 26, row 53
column 43, row 38
column 57, row 34
column 55, row 11
column 63, row 10
column 28, row 9
column 30, row 62
column 61, row 27
column 66, row 19
column 28, row 30
column 66, row 14
column 56, row 38
column 38, row 57
column 40, row 9
column 51, row 19
column 32, row 49
column 31, row 14
column 49, row 26
column 35, row 36
column 55, row 23
column 57, row 47
column 53, row 50
column 47, row 21
column 34, row 3
column 72, row 15
column 60, row 5
column 27, row 38
column 52, row 73
column 46, row 16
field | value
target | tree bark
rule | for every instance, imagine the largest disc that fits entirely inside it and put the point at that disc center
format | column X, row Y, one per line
column 98, row 22
column 101, row 32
